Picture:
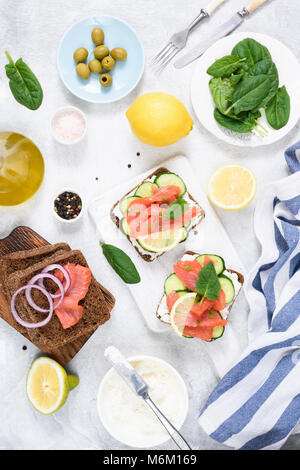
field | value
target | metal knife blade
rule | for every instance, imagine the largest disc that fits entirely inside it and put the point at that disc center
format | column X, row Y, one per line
column 220, row 32
column 126, row 371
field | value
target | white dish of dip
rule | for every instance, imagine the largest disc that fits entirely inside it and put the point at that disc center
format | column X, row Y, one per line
column 128, row 418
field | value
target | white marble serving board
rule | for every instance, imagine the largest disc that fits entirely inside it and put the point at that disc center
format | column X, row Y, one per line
column 208, row 237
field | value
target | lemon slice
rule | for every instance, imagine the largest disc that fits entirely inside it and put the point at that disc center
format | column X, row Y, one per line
column 47, row 385
column 231, row 187
column 162, row 241
column 180, row 312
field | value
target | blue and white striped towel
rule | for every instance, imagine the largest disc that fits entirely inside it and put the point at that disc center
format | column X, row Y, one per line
column 256, row 404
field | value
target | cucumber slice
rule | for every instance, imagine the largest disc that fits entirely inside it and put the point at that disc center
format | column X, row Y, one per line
column 125, row 227
column 125, row 203
column 218, row 331
column 228, row 287
column 173, row 283
column 166, row 179
column 219, row 263
column 145, row 189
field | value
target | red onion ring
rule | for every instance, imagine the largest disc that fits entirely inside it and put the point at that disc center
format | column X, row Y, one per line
column 51, row 267
column 24, row 323
column 39, row 277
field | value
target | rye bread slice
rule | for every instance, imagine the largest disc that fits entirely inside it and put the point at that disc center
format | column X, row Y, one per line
column 193, row 253
column 117, row 221
column 12, row 263
column 96, row 311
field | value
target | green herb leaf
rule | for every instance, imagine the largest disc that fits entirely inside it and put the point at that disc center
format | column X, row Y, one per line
column 121, row 263
column 249, row 93
column 266, row 67
column 225, row 66
column 24, row 85
column 208, row 284
column 176, row 209
column 252, row 50
column 233, row 123
column 221, row 90
column 278, row 110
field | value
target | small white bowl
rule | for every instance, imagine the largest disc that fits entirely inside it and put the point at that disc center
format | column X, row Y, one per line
column 62, row 110
column 68, row 221
column 129, row 442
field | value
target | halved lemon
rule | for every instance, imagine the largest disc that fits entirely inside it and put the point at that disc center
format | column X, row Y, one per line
column 48, row 385
column 231, row 187
column 180, row 311
column 162, row 241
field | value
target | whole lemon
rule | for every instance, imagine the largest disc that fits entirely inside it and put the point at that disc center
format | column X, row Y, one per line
column 159, row 119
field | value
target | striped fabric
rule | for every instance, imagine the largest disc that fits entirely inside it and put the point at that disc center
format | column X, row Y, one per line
column 256, row 405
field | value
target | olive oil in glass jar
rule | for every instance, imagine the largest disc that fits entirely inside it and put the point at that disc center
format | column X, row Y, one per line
column 21, row 168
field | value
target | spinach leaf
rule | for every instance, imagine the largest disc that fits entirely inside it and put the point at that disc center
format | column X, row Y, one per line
column 121, row 263
column 236, row 78
column 221, row 90
column 252, row 50
column 225, row 66
column 278, row 110
column 266, row 67
column 176, row 209
column 208, row 284
column 24, row 85
column 249, row 93
column 233, row 123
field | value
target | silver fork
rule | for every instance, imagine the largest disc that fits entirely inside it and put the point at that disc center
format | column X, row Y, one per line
column 178, row 41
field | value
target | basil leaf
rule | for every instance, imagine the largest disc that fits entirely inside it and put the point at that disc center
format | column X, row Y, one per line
column 121, row 263
column 278, row 110
column 252, row 50
column 221, row 90
column 208, row 283
column 249, row 93
column 225, row 66
column 267, row 67
column 24, row 85
column 233, row 123
column 176, row 209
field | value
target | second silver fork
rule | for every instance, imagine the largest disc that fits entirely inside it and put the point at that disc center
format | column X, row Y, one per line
column 178, row 41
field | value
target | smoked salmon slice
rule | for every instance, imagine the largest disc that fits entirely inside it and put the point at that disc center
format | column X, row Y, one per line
column 70, row 312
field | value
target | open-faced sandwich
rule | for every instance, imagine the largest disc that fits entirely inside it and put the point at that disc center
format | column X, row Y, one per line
column 198, row 296
column 157, row 214
column 53, row 296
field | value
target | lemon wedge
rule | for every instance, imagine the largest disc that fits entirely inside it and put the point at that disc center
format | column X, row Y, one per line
column 180, row 311
column 48, row 385
column 231, row 187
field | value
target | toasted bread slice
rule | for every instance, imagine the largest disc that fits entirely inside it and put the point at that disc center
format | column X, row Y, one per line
column 95, row 313
column 162, row 312
column 20, row 260
column 117, row 220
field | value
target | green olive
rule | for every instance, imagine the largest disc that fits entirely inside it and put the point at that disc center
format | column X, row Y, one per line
column 80, row 54
column 101, row 51
column 105, row 79
column 83, row 71
column 118, row 53
column 108, row 63
column 98, row 36
column 95, row 66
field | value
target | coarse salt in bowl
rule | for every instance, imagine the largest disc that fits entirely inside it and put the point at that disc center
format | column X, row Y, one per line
column 68, row 125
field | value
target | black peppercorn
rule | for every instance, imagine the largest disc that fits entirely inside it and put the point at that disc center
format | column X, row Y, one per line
column 68, row 205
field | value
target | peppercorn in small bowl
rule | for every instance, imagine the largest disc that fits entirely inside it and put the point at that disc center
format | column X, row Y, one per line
column 68, row 206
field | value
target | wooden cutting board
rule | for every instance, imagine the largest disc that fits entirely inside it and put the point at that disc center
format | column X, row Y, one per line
column 24, row 238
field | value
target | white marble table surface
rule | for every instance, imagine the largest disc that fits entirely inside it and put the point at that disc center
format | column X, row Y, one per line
column 32, row 29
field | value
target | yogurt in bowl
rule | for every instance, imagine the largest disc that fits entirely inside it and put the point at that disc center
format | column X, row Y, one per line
column 128, row 418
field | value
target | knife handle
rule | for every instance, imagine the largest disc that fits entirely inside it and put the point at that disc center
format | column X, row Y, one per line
column 213, row 5
column 254, row 5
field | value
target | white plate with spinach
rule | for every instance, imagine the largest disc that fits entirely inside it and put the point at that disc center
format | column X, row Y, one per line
column 246, row 89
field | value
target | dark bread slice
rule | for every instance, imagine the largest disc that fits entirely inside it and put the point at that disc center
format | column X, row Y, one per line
column 96, row 311
column 11, row 263
column 117, row 221
column 240, row 279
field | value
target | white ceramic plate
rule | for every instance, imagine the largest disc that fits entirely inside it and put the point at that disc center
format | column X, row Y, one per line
column 289, row 75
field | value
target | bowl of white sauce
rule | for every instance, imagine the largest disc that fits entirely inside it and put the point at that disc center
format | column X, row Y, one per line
column 128, row 418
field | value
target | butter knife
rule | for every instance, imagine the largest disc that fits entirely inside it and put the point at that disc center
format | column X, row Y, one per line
column 220, row 32
column 140, row 387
